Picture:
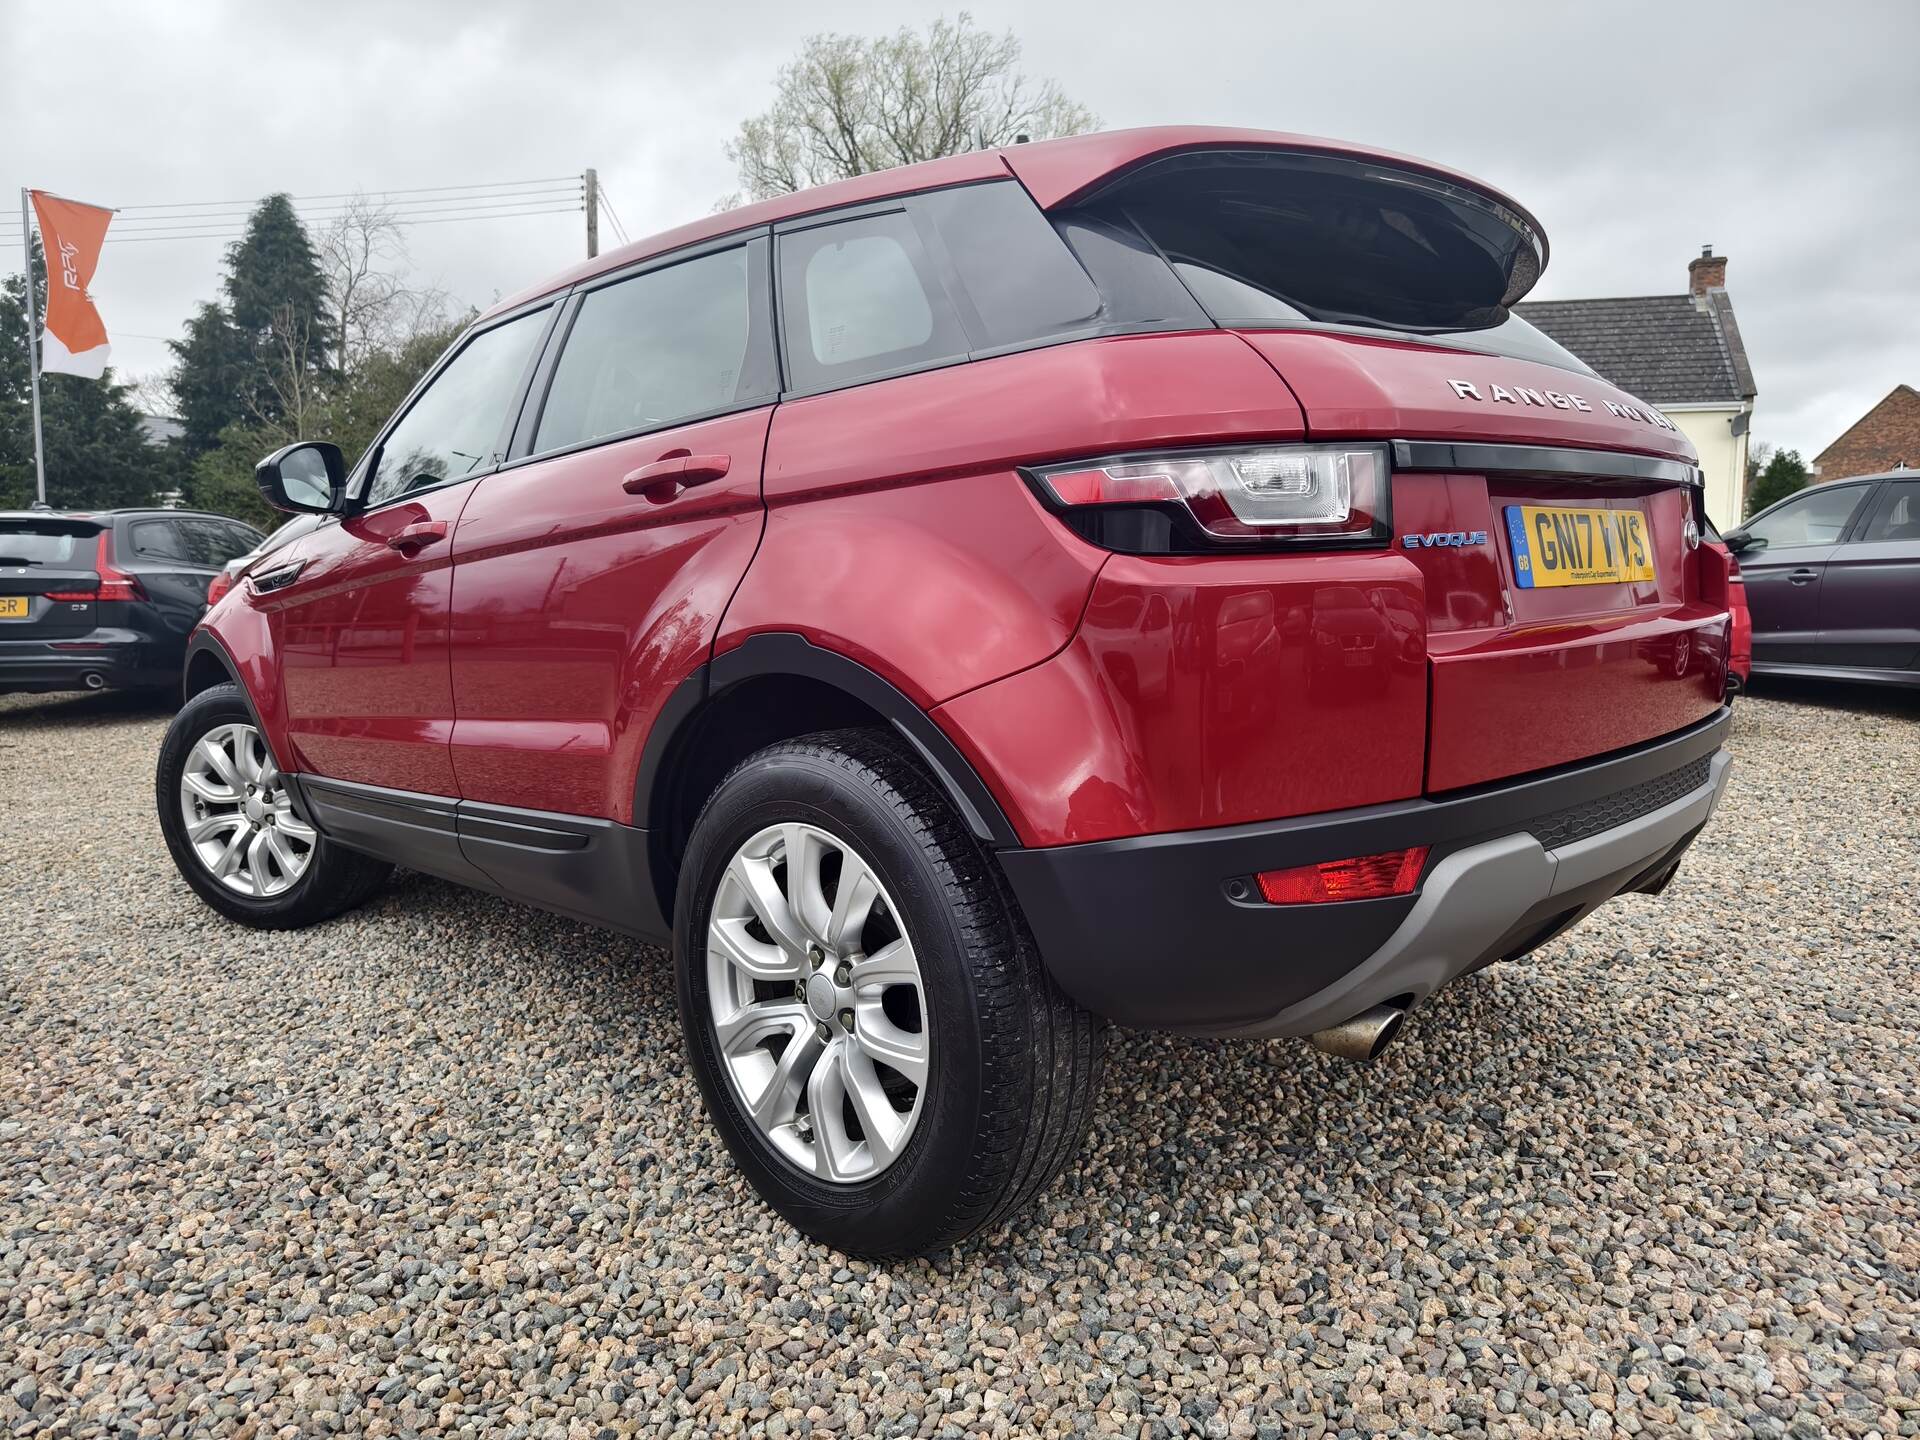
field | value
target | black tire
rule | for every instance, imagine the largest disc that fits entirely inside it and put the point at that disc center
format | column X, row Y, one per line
column 335, row 879
column 1016, row 1063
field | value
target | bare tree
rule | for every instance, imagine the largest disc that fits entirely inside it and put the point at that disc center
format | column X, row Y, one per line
column 291, row 386
column 849, row 105
column 364, row 256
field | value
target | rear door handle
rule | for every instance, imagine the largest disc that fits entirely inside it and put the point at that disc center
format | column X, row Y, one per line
column 674, row 472
column 1803, row 576
column 410, row 539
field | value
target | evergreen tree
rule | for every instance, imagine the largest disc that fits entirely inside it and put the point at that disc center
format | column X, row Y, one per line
column 1786, row 472
column 97, row 456
column 242, row 363
column 210, row 366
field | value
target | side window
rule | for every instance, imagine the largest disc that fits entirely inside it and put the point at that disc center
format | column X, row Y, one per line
column 160, row 540
column 214, row 542
column 663, row 346
column 1015, row 272
column 1897, row 516
column 1818, row 517
column 454, row 426
column 860, row 299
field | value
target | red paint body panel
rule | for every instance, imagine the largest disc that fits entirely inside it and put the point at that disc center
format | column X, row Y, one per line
column 1393, row 389
column 362, row 641
column 578, row 607
column 1203, row 692
column 900, row 534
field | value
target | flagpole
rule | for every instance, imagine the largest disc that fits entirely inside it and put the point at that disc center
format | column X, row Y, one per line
column 33, row 354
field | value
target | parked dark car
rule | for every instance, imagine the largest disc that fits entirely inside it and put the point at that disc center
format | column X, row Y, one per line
column 1149, row 577
column 106, row 599
column 1833, row 580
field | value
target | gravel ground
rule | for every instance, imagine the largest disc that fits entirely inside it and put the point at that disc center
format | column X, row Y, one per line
column 438, row 1168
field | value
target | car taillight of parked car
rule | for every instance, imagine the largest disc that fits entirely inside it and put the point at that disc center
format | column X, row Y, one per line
column 1292, row 495
column 219, row 586
column 115, row 584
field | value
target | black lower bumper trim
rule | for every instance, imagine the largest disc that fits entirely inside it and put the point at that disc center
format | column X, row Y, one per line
column 1144, row 932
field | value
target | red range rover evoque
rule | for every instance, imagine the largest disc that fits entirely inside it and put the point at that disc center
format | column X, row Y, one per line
column 1150, row 577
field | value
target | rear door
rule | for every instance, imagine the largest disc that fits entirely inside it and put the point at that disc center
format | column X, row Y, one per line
column 1870, row 594
column 1785, row 566
column 47, row 577
column 362, row 624
column 590, row 574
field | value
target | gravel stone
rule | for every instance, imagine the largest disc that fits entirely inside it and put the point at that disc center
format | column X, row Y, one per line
column 438, row 1168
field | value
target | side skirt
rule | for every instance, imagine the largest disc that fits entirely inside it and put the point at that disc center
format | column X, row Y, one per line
column 586, row 869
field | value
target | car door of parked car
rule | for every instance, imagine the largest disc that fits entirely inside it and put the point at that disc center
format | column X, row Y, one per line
column 1870, row 597
column 361, row 627
column 591, row 572
column 1784, row 563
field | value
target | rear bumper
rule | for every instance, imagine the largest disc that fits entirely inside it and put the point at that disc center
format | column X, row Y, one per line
column 1145, row 932
column 120, row 659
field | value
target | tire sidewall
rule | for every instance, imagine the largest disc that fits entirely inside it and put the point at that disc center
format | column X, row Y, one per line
column 880, row 1215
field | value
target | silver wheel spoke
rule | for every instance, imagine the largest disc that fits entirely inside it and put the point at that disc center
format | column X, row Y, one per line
column 210, row 790
column 852, row 902
column 748, row 1026
column 901, row 1050
column 779, row 1102
column 246, row 755
column 883, row 1126
column 294, row 828
column 221, row 763
column 230, row 857
column 891, row 964
column 755, row 879
column 212, row 825
column 257, row 861
column 834, row 1157
column 806, row 893
column 283, row 856
column 752, row 957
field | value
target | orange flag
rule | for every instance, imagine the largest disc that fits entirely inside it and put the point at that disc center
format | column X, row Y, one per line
column 75, row 339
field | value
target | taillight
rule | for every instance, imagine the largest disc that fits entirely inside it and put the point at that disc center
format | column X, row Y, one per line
column 115, row 584
column 1248, row 498
column 1364, row 877
column 218, row 586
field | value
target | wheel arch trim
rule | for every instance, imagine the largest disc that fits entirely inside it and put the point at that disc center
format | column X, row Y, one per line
column 771, row 654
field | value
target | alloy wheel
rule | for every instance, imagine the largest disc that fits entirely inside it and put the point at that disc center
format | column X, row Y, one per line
column 239, row 818
column 817, row 1003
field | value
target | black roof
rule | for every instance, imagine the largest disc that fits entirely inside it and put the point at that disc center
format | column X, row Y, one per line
column 1665, row 349
column 50, row 512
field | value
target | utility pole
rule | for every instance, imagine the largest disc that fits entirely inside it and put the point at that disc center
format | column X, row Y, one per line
column 33, row 352
column 593, row 212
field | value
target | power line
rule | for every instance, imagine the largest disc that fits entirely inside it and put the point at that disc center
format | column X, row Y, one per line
column 441, row 220
column 607, row 202
column 351, row 194
column 402, row 217
column 332, row 211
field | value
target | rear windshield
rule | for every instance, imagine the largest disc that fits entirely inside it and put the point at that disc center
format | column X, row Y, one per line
column 45, row 542
column 1268, row 239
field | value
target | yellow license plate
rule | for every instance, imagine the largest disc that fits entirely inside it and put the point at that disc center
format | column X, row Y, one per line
column 13, row 607
column 1559, row 545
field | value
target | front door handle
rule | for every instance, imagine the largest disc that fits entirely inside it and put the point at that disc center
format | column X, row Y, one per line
column 411, row 539
column 674, row 472
column 1803, row 576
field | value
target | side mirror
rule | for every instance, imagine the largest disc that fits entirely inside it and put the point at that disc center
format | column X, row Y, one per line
column 307, row 478
column 1739, row 542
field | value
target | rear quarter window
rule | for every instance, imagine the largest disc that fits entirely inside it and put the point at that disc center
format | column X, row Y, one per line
column 861, row 300
column 1017, row 278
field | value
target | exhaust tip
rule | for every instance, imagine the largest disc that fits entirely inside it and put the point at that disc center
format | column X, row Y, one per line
column 96, row 681
column 1364, row 1036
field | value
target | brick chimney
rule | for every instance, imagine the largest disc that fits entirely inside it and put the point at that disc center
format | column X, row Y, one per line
column 1709, row 272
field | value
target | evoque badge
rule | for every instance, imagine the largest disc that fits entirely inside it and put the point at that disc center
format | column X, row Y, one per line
column 1442, row 539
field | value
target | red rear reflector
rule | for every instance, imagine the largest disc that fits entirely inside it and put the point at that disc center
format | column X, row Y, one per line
column 71, row 595
column 1364, row 877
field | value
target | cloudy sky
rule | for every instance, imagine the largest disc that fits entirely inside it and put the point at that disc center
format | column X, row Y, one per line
column 1787, row 135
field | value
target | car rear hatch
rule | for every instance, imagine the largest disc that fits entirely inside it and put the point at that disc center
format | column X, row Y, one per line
column 1553, row 518
column 48, row 582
